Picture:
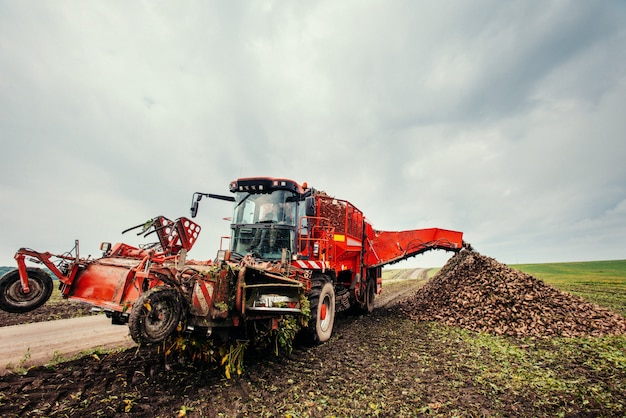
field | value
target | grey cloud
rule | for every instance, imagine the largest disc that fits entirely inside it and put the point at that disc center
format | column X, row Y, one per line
column 499, row 119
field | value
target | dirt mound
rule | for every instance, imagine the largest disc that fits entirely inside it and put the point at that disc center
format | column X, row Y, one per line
column 478, row 293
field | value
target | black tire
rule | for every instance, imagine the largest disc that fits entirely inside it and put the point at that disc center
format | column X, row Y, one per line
column 370, row 295
column 322, row 300
column 155, row 315
column 364, row 306
column 12, row 297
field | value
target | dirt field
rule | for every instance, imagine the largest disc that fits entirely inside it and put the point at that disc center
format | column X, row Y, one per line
column 383, row 364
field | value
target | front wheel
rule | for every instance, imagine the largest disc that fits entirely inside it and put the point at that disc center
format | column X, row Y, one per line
column 155, row 315
column 322, row 299
column 13, row 298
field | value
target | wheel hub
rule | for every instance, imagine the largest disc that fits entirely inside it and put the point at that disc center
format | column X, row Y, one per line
column 323, row 312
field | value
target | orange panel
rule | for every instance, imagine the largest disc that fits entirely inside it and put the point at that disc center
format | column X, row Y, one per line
column 100, row 284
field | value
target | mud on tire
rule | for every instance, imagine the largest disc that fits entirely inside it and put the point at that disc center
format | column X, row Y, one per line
column 155, row 315
column 322, row 299
column 12, row 297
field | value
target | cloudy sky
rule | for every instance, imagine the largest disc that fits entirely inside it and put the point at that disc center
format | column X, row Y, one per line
column 504, row 120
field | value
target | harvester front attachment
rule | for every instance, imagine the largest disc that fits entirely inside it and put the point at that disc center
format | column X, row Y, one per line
column 112, row 282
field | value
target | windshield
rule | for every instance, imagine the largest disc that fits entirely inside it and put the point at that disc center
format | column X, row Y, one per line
column 264, row 224
column 276, row 207
column 263, row 241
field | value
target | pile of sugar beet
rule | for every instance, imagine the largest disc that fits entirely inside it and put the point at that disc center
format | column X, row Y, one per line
column 476, row 292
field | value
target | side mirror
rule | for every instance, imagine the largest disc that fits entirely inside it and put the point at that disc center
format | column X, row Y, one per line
column 197, row 196
column 105, row 247
column 194, row 204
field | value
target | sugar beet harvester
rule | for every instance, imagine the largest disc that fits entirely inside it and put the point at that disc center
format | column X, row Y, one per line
column 294, row 252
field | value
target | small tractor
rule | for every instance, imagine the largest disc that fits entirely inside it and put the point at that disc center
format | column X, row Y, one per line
column 294, row 252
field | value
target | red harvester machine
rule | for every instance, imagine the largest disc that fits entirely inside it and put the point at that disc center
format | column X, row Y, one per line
column 294, row 252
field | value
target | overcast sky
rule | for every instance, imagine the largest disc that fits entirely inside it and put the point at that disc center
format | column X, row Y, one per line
column 504, row 120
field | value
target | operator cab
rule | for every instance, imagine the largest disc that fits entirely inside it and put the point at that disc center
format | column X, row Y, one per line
column 265, row 217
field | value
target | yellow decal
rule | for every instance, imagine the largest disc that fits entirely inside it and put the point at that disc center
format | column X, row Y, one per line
column 339, row 237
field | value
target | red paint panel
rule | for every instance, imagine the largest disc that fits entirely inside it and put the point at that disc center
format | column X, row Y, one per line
column 100, row 284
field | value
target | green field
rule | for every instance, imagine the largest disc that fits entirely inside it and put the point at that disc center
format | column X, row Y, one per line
column 601, row 282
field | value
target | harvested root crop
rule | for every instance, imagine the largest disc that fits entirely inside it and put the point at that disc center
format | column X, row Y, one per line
column 478, row 293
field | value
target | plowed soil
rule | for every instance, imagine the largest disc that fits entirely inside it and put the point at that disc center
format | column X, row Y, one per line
column 394, row 362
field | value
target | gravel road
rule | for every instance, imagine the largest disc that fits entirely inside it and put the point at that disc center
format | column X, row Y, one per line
column 40, row 342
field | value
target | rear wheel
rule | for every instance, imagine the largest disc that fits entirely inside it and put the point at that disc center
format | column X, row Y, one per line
column 322, row 299
column 155, row 315
column 13, row 298
column 370, row 295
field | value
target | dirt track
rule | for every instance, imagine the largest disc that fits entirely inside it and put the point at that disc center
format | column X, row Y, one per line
column 403, row 285
column 38, row 343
